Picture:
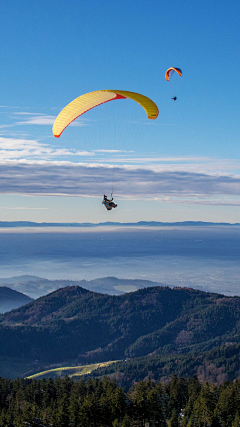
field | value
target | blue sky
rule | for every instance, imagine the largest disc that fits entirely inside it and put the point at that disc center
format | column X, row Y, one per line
column 183, row 166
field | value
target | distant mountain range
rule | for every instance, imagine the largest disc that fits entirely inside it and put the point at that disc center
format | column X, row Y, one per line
column 10, row 299
column 4, row 224
column 73, row 325
column 35, row 287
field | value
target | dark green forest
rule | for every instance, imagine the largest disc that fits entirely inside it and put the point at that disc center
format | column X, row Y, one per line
column 75, row 326
column 155, row 332
column 101, row 403
column 216, row 366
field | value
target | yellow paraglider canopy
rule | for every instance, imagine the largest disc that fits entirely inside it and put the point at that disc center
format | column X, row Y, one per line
column 90, row 100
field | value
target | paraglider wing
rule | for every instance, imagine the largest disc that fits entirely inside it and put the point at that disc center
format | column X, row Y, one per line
column 170, row 71
column 86, row 102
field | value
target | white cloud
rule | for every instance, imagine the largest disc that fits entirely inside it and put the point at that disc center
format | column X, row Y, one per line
column 37, row 120
column 42, row 119
column 25, row 113
column 22, row 148
column 5, row 126
column 113, row 151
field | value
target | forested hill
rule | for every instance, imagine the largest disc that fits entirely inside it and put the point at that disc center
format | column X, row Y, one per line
column 10, row 299
column 73, row 324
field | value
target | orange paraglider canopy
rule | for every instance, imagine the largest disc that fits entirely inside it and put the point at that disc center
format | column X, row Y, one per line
column 170, row 71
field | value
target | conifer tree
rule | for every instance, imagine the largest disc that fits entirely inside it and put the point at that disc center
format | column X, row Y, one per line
column 63, row 411
column 202, row 414
column 174, row 419
column 126, row 421
column 138, row 396
column 236, row 422
column 227, row 405
column 216, row 422
column 156, row 405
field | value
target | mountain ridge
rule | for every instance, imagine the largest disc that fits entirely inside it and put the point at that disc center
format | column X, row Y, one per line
column 11, row 299
column 10, row 224
column 35, row 286
column 79, row 326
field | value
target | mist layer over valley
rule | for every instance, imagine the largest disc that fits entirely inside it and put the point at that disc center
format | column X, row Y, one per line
column 205, row 257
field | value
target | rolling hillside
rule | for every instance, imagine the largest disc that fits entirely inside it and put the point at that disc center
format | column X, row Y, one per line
column 10, row 299
column 78, row 326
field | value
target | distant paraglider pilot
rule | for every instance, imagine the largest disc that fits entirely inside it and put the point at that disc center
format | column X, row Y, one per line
column 108, row 203
column 168, row 75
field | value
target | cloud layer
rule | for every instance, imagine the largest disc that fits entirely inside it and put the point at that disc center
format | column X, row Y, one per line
column 28, row 166
column 81, row 180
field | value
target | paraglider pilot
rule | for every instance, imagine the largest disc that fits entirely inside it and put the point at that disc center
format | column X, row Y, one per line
column 108, row 203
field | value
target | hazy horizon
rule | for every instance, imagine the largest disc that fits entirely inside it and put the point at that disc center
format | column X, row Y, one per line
column 204, row 258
